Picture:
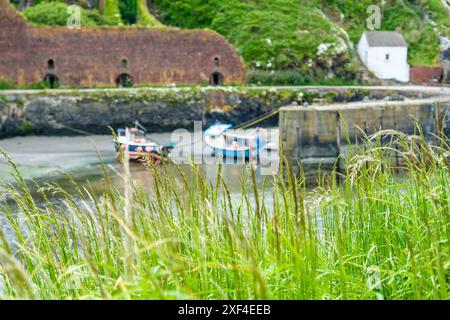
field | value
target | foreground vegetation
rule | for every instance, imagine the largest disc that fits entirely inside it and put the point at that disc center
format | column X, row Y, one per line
column 370, row 236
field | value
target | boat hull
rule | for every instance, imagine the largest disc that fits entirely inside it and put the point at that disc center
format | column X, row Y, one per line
column 136, row 142
column 137, row 151
column 229, row 152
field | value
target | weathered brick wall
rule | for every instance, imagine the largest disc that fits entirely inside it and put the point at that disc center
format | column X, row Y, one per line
column 426, row 75
column 92, row 56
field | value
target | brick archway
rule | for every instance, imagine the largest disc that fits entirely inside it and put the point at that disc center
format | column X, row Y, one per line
column 124, row 80
column 51, row 80
column 216, row 79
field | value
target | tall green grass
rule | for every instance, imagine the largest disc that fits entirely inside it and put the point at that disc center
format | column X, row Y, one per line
column 364, row 234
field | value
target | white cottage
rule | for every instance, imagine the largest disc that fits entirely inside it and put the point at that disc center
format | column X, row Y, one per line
column 385, row 54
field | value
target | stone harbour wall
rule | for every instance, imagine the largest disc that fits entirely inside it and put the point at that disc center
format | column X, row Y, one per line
column 317, row 135
column 74, row 112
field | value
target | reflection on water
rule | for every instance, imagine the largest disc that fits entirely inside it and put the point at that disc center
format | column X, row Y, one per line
column 232, row 175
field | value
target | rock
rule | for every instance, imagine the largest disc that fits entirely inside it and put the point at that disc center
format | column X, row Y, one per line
column 14, row 127
column 396, row 97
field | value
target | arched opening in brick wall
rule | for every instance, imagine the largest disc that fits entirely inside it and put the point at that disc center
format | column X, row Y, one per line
column 216, row 79
column 124, row 80
column 50, row 78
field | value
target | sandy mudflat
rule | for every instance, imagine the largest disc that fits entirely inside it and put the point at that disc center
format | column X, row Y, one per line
column 40, row 156
column 37, row 156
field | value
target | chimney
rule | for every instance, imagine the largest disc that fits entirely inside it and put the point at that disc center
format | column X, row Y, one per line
column 398, row 29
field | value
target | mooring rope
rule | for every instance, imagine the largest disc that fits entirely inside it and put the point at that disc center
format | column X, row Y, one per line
column 60, row 125
column 258, row 119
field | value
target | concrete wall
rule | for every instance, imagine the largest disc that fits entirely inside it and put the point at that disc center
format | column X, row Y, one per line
column 316, row 135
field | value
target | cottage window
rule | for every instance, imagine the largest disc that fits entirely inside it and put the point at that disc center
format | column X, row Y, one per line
column 388, row 56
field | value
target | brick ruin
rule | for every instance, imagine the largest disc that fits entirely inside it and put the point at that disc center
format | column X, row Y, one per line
column 426, row 75
column 92, row 57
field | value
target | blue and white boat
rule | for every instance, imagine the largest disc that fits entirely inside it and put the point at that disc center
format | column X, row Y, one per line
column 224, row 140
column 140, row 145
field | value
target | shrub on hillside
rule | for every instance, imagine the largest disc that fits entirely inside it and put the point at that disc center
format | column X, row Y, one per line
column 144, row 17
column 55, row 14
column 112, row 11
column 6, row 84
column 128, row 11
column 273, row 78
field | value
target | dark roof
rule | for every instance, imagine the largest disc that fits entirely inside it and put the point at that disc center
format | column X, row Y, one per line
column 385, row 39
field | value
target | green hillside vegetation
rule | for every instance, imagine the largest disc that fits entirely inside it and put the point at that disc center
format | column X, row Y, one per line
column 130, row 12
column 438, row 13
column 275, row 35
column 297, row 27
column 144, row 16
column 112, row 10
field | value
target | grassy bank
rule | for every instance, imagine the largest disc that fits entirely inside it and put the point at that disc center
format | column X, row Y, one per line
column 371, row 236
